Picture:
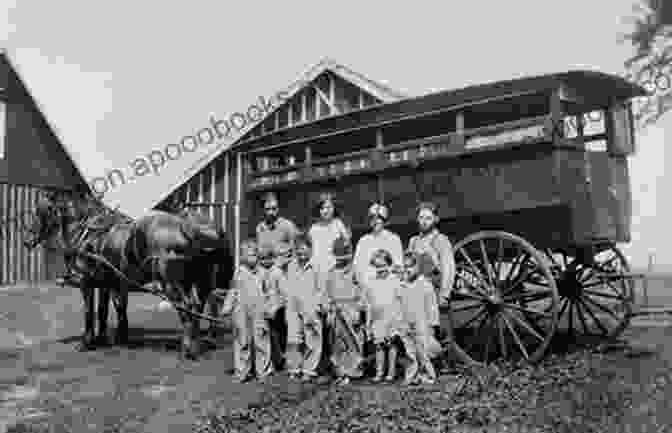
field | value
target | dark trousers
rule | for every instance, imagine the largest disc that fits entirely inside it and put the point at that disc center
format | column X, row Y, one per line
column 278, row 338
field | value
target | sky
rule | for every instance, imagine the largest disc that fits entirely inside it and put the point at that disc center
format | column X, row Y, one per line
column 119, row 79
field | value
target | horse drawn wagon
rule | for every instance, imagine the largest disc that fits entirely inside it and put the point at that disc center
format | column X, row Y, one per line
column 531, row 176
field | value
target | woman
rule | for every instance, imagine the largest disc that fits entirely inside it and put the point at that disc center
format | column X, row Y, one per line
column 325, row 231
column 378, row 238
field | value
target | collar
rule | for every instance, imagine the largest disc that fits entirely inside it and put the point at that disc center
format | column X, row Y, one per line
column 433, row 232
column 271, row 226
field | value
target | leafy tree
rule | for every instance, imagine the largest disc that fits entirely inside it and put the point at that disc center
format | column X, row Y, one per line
column 651, row 63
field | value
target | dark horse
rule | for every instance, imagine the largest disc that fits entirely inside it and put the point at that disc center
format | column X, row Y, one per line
column 173, row 256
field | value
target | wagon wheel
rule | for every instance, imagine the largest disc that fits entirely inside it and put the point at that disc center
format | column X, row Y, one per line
column 595, row 298
column 505, row 303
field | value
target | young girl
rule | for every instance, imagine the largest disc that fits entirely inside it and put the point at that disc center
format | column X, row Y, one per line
column 383, row 311
column 417, row 299
column 346, row 332
column 304, row 291
column 252, row 304
column 325, row 231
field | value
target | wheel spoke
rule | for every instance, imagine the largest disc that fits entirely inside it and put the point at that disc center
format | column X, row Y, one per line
column 502, row 339
column 500, row 258
column 474, row 267
column 582, row 318
column 486, row 263
column 526, row 326
column 532, row 294
column 528, row 310
column 570, row 325
column 474, row 318
column 594, row 317
column 519, row 280
column 603, row 295
column 488, row 340
column 516, row 337
column 478, row 290
column 465, row 308
column 601, row 307
column 514, row 264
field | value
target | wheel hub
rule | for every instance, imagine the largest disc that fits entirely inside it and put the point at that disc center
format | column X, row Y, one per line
column 569, row 285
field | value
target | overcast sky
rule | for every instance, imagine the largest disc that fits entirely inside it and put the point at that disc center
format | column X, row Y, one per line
column 118, row 79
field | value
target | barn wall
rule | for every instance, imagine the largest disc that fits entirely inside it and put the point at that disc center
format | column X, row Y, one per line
column 17, row 263
column 33, row 154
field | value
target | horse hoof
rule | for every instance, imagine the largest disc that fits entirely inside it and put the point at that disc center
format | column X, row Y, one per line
column 84, row 346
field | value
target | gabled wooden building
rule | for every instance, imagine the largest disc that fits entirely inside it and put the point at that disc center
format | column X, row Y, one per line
column 328, row 89
column 32, row 161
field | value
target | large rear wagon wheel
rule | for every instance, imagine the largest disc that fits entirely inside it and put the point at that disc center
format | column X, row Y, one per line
column 596, row 294
column 505, row 302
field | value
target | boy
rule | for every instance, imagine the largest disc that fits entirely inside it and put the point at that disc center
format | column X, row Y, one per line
column 271, row 276
column 306, row 299
column 417, row 299
column 380, row 292
column 252, row 304
column 346, row 333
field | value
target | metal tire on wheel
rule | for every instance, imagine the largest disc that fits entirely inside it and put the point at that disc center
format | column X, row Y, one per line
column 596, row 298
column 498, row 307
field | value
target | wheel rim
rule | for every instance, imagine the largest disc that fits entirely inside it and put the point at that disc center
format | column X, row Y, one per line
column 505, row 303
column 595, row 299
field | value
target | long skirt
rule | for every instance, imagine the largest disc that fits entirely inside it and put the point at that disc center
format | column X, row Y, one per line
column 252, row 343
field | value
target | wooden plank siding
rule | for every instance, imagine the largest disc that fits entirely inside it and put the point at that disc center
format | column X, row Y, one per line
column 18, row 264
column 213, row 190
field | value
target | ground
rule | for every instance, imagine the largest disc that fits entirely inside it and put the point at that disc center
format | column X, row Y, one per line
column 146, row 387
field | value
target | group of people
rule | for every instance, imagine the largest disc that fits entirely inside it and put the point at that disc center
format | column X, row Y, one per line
column 305, row 302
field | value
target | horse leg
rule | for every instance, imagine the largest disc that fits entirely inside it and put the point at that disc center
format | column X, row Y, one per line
column 88, row 337
column 103, row 313
column 121, row 307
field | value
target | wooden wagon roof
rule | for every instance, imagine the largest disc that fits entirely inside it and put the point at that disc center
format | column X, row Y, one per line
column 595, row 84
column 377, row 89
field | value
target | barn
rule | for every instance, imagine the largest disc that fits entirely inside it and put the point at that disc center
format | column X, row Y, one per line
column 32, row 162
column 220, row 185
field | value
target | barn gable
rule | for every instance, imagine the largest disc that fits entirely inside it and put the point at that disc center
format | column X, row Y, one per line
column 326, row 89
column 31, row 153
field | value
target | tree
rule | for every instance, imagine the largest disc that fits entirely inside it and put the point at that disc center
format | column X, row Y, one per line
column 651, row 64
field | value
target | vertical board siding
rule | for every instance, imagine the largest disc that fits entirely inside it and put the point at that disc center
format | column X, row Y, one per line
column 18, row 264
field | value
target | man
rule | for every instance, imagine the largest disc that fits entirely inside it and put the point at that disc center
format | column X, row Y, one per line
column 276, row 232
column 438, row 247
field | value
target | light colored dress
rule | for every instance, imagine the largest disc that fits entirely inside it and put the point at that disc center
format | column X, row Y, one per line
column 382, row 298
column 416, row 299
column 323, row 236
column 369, row 243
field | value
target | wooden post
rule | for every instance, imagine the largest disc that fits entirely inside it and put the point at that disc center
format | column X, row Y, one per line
column 645, row 282
column 239, row 196
column 379, row 148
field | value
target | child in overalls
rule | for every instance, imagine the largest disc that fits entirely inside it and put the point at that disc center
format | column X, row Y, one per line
column 345, row 327
column 304, row 290
column 383, row 312
column 252, row 302
column 417, row 298
column 271, row 275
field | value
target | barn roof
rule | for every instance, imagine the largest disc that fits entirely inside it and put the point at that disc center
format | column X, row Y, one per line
column 379, row 90
column 40, row 108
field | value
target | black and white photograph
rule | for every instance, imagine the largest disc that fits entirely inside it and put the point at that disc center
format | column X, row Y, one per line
column 366, row 217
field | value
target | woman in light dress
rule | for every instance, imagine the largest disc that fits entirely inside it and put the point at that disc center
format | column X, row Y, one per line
column 324, row 232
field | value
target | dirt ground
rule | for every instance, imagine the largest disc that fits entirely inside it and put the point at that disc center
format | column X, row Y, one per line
column 146, row 387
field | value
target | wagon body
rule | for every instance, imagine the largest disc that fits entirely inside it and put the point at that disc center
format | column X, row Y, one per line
column 541, row 158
